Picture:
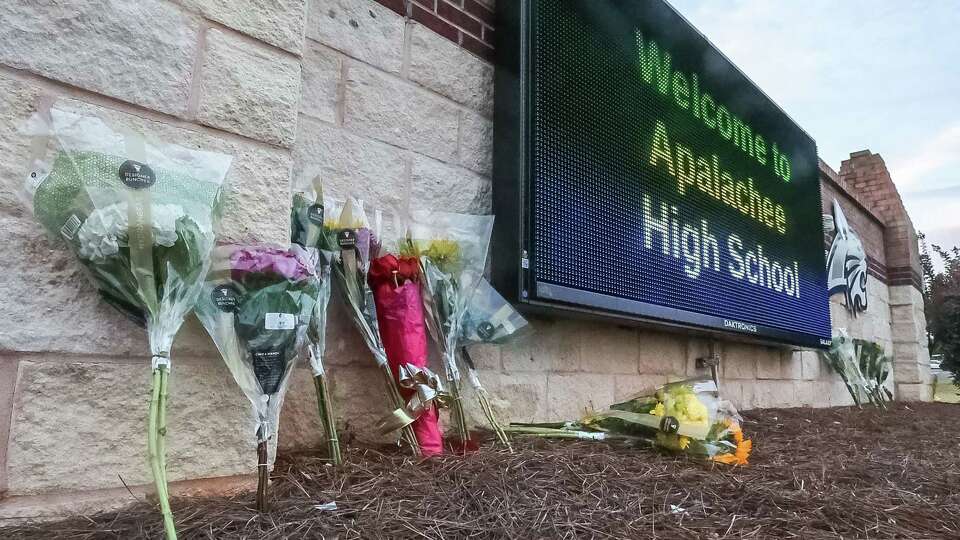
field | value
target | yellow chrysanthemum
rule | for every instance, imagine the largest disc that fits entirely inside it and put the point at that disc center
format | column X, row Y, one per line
column 444, row 253
column 658, row 410
column 684, row 405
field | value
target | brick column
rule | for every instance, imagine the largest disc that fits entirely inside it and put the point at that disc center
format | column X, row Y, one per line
column 867, row 177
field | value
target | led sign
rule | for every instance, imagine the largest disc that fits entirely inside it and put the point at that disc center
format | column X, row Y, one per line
column 639, row 174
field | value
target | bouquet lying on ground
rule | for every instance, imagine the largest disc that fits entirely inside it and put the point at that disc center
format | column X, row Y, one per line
column 257, row 304
column 863, row 366
column 452, row 251
column 489, row 319
column 683, row 417
column 348, row 235
column 306, row 230
column 139, row 215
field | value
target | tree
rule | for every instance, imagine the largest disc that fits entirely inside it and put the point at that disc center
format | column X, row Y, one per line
column 941, row 292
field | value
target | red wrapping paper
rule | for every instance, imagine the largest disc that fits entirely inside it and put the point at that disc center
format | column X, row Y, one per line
column 404, row 333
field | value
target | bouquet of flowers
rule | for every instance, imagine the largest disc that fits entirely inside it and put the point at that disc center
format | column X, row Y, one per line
column 396, row 291
column 489, row 319
column 306, row 230
column 452, row 250
column 257, row 304
column 140, row 216
column 683, row 417
column 863, row 366
column 353, row 243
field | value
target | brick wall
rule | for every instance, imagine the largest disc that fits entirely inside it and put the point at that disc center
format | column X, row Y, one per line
column 468, row 23
column 386, row 100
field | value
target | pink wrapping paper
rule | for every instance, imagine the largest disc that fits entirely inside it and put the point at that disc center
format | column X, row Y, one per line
column 404, row 335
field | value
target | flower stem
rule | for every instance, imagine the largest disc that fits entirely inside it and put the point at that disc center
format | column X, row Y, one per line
column 263, row 475
column 155, row 432
column 492, row 420
column 325, row 408
column 456, row 408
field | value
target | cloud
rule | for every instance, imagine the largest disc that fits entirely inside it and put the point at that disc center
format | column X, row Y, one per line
column 935, row 155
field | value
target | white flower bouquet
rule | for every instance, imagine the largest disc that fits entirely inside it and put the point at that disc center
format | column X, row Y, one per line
column 139, row 215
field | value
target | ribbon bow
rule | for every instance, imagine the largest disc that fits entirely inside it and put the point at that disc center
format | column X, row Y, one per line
column 428, row 392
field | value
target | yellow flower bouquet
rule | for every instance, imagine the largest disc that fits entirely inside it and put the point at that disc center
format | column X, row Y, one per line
column 686, row 417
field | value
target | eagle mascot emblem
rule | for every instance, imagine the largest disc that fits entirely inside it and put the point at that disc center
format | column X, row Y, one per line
column 847, row 264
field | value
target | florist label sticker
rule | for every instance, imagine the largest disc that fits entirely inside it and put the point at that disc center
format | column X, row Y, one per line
column 347, row 239
column 136, row 175
column 225, row 297
column 315, row 214
column 280, row 321
column 268, row 366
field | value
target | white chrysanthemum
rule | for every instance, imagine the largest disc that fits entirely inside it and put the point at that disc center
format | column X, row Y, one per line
column 105, row 230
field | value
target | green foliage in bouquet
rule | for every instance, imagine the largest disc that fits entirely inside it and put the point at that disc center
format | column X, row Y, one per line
column 307, row 230
column 864, row 367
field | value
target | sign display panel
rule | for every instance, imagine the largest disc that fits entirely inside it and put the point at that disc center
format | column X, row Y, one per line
column 650, row 177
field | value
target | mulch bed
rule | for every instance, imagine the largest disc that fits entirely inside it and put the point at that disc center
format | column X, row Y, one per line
column 814, row 473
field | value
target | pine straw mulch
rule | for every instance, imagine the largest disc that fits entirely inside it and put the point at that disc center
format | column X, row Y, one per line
column 815, row 473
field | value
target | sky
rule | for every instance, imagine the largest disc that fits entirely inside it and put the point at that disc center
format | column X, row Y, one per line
column 882, row 75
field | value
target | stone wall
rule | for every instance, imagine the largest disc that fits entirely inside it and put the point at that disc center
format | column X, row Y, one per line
column 386, row 100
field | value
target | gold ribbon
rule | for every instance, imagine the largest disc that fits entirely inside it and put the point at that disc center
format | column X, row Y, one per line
column 429, row 392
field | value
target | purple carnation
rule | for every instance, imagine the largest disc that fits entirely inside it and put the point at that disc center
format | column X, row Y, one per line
column 269, row 260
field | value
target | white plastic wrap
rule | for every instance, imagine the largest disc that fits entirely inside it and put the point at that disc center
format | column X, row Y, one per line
column 257, row 304
column 138, row 213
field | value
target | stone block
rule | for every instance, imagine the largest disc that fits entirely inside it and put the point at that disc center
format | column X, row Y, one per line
column 810, row 365
column 362, row 29
column 99, row 411
column 48, row 303
column 906, row 352
column 476, row 143
column 249, row 90
column 605, row 348
column 350, row 165
column 448, row 187
column 440, row 65
column 768, row 362
column 904, row 295
column 554, row 347
column 515, row 397
column 806, row 393
column 914, row 392
column 486, row 356
column 108, row 47
column 697, row 348
column 627, row 386
column 570, row 395
column 394, row 111
column 300, row 425
column 908, row 372
column 839, row 394
column 791, row 365
column 732, row 391
column 18, row 100
column 359, row 398
column 662, row 353
column 906, row 331
column 9, row 369
column 775, row 394
column 277, row 22
column 322, row 69
column 739, row 361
